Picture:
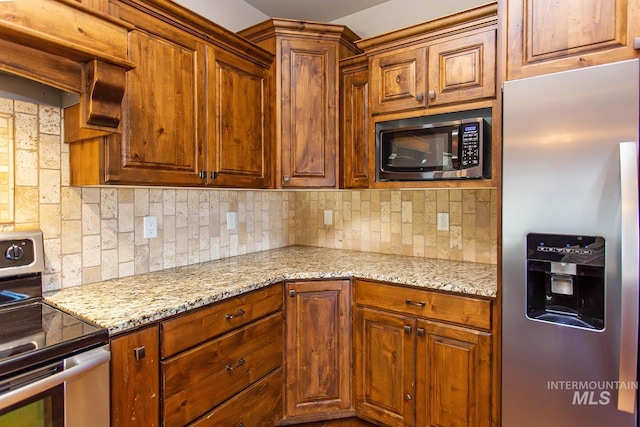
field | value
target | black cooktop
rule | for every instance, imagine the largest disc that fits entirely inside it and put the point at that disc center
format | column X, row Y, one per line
column 36, row 333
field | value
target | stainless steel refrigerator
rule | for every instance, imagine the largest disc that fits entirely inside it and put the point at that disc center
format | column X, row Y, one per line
column 570, row 248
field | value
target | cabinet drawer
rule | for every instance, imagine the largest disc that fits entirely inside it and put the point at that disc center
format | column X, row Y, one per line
column 194, row 328
column 460, row 309
column 258, row 406
column 199, row 379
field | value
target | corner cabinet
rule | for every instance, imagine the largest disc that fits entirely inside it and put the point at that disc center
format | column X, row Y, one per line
column 421, row 357
column 545, row 36
column 317, row 350
column 194, row 108
column 305, row 86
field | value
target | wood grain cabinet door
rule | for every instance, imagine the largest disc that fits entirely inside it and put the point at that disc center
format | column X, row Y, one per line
column 398, row 80
column 453, row 369
column 238, row 137
column 354, row 115
column 135, row 382
column 318, row 344
column 162, row 125
column 309, row 106
column 384, row 367
column 545, row 36
column 463, row 68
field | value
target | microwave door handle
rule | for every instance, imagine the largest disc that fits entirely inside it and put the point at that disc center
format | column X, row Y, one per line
column 630, row 275
column 454, row 144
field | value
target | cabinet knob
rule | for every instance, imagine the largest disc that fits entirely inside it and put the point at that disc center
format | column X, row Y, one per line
column 139, row 353
column 636, row 43
column 408, row 397
column 203, row 174
column 292, row 293
column 214, row 175
column 419, row 97
column 286, row 178
column 407, row 329
column 420, row 332
column 398, row 79
column 432, row 94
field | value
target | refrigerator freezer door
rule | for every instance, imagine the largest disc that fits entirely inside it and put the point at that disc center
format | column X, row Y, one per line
column 561, row 175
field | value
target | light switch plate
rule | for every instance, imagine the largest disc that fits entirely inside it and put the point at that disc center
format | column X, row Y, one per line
column 150, row 227
column 443, row 221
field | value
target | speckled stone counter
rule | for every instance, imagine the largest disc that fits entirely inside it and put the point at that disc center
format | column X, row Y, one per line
column 128, row 302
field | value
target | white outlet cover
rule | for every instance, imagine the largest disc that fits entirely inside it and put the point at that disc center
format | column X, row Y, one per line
column 443, row 221
column 231, row 220
column 150, row 227
column 328, row 217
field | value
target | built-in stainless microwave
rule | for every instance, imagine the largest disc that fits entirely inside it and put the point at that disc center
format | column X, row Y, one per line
column 456, row 149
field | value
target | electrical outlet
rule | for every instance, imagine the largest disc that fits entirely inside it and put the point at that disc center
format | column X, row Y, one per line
column 150, row 227
column 231, row 220
column 443, row 221
column 328, row 217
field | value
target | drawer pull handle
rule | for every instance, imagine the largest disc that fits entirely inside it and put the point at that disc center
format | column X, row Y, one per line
column 230, row 367
column 418, row 304
column 233, row 316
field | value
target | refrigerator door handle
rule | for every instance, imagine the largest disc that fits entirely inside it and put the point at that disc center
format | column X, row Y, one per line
column 630, row 242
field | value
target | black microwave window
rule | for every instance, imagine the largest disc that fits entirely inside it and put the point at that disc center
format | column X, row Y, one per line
column 422, row 149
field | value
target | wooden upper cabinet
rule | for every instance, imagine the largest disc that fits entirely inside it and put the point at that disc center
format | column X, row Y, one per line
column 545, row 36
column 305, row 84
column 447, row 61
column 317, row 349
column 195, row 112
column 163, row 133
column 462, row 68
column 398, row 80
column 354, row 122
column 238, row 142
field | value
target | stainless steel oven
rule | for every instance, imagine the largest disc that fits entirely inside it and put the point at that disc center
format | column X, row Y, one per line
column 54, row 367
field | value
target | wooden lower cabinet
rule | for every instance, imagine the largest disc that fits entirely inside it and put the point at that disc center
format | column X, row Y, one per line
column 258, row 406
column 198, row 380
column 317, row 355
column 413, row 371
column 135, row 386
column 384, row 366
column 453, row 369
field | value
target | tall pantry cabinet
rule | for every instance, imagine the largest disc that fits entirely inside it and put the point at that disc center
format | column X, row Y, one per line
column 305, row 93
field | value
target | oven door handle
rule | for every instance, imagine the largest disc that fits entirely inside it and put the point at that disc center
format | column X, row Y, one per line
column 75, row 366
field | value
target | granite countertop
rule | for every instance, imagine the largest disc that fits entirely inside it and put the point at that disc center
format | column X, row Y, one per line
column 128, row 302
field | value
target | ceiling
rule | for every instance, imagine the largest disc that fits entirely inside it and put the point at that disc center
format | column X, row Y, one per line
column 312, row 10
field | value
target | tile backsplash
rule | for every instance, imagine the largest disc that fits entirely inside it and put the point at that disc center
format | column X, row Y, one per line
column 95, row 234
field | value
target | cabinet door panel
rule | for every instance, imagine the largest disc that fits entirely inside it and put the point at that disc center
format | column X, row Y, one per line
column 162, row 133
column 355, row 128
column 309, row 119
column 546, row 36
column 453, row 365
column 135, row 384
column 384, row 366
column 318, row 347
column 463, row 69
column 238, row 138
column 398, row 81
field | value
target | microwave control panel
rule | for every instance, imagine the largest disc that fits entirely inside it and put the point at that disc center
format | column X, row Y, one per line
column 470, row 147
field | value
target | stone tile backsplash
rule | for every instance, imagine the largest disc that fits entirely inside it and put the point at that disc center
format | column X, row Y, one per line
column 95, row 234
